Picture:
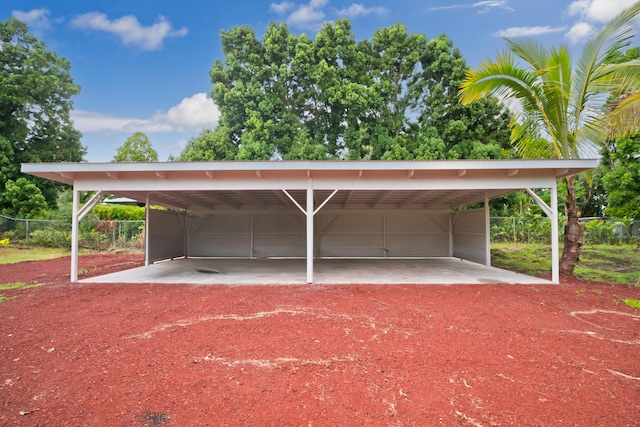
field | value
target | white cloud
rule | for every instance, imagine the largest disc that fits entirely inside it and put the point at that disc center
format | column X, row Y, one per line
column 483, row 6
column 579, row 32
column 528, row 31
column 309, row 15
column 312, row 15
column 193, row 113
column 281, row 8
column 129, row 29
column 592, row 13
column 358, row 9
column 35, row 18
column 601, row 11
column 190, row 115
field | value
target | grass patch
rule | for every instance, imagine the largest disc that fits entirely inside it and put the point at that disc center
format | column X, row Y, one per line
column 533, row 259
column 15, row 286
column 10, row 254
column 602, row 263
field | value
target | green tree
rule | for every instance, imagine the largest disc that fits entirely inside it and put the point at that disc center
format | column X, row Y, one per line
column 622, row 182
column 556, row 97
column 137, row 148
column 36, row 92
column 23, row 199
column 479, row 130
column 391, row 97
column 210, row 145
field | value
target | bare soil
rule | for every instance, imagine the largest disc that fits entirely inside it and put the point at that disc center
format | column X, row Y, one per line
column 391, row 355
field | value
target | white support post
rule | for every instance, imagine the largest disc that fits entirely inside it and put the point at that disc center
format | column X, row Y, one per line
column 555, row 253
column 75, row 221
column 552, row 213
column 147, row 214
column 450, row 234
column 487, row 230
column 309, row 214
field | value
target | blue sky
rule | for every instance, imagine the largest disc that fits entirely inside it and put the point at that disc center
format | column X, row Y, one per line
column 143, row 65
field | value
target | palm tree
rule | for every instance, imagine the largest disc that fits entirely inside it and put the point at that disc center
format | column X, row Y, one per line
column 562, row 115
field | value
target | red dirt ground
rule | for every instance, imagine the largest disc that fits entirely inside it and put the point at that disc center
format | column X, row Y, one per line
column 396, row 355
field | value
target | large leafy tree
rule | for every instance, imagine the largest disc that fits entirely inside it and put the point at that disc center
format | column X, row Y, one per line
column 622, row 181
column 557, row 96
column 210, row 145
column 36, row 92
column 479, row 130
column 137, row 148
column 391, row 97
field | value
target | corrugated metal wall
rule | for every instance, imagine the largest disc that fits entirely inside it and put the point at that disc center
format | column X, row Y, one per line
column 469, row 236
column 283, row 234
column 166, row 235
column 380, row 234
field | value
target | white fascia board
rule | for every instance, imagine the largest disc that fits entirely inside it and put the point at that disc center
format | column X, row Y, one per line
column 319, row 165
column 318, row 184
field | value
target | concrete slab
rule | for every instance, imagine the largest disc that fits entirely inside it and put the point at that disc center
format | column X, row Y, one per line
column 225, row 271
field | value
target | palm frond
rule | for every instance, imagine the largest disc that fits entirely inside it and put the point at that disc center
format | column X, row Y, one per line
column 598, row 50
column 624, row 117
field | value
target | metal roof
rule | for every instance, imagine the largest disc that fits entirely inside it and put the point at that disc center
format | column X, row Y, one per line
column 361, row 184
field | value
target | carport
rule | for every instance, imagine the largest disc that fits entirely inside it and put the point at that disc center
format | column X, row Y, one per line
column 373, row 210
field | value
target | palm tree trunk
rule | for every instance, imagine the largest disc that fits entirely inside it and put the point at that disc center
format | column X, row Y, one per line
column 572, row 231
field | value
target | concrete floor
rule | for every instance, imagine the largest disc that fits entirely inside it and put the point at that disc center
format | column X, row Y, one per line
column 326, row 271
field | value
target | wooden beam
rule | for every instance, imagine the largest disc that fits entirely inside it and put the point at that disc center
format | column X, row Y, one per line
column 191, row 200
column 413, row 198
column 447, row 197
column 380, row 198
column 251, row 198
column 219, row 198
column 284, row 199
column 347, row 198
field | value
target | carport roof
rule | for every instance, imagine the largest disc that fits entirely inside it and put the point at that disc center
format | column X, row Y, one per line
column 67, row 172
column 361, row 184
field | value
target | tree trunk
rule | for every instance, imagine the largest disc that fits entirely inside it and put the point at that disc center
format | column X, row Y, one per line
column 572, row 231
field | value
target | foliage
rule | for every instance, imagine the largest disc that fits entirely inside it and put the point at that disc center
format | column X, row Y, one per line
column 632, row 302
column 137, row 148
column 390, row 97
column 532, row 228
column 479, row 130
column 210, row 145
column 119, row 212
column 603, row 263
column 36, row 92
column 556, row 95
column 622, row 181
column 23, row 199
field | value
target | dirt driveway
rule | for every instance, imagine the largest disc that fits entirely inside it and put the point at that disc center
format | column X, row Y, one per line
column 313, row 355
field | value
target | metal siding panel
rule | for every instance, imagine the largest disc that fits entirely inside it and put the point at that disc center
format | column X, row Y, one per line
column 351, row 245
column 417, row 245
column 279, row 245
column 166, row 235
column 469, row 240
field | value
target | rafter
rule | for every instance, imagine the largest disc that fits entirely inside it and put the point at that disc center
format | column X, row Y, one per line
column 381, row 198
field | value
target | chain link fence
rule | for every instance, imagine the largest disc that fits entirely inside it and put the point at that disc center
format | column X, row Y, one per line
column 101, row 235
column 537, row 229
column 94, row 234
